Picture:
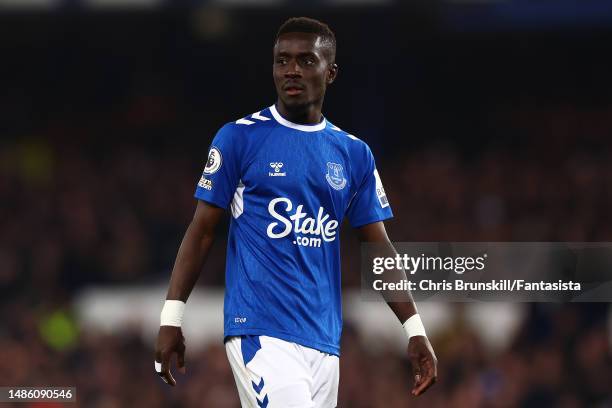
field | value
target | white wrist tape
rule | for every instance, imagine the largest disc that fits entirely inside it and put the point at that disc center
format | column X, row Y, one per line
column 414, row 326
column 172, row 313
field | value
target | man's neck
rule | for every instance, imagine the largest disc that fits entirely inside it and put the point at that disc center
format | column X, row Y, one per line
column 303, row 115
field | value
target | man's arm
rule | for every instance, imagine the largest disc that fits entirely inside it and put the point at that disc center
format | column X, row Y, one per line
column 420, row 352
column 191, row 256
column 193, row 251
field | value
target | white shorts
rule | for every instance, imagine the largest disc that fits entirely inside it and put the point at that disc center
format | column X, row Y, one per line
column 273, row 373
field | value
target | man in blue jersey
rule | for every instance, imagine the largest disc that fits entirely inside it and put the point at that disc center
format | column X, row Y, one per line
column 289, row 177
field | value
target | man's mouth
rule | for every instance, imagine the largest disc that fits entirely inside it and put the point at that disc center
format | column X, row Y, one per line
column 293, row 89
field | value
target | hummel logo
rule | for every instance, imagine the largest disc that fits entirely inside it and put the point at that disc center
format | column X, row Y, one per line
column 259, row 390
column 277, row 166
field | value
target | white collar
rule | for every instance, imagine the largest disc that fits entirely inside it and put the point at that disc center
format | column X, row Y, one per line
column 303, row 128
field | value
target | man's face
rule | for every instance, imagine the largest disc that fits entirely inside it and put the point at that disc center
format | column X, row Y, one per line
column 301, row 69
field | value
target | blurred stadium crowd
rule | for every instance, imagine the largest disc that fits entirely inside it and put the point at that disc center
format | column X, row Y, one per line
column 97, row 189
column 71, row 219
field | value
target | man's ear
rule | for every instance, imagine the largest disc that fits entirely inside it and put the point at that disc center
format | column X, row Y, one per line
column 332, row 73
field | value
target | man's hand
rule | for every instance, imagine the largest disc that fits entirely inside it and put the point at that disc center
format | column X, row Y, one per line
column 170, row 340
column 424, row 364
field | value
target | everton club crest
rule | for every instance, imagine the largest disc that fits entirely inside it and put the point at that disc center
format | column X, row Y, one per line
column 335, row 176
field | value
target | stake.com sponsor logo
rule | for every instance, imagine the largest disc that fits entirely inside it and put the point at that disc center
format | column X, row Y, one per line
column 316, row 230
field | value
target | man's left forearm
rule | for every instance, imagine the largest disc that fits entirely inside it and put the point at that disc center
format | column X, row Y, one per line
column 375, row 233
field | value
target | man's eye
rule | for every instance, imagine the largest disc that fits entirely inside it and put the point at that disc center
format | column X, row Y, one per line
column 281, row 61
column 309, row 61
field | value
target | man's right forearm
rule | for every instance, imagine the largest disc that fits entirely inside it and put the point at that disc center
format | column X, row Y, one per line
column 189, row 260
column 191, row 255
column 193, row 251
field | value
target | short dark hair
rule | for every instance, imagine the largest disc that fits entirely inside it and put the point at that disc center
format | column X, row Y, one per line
column 310, row 25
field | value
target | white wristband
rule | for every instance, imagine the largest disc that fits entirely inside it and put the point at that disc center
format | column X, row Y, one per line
column 414, row 326
column 172, row 313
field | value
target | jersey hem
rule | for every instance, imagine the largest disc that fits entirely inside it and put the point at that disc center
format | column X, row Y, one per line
column 323, row 347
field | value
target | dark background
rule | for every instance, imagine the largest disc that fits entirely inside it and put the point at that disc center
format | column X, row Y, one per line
column 489, row 122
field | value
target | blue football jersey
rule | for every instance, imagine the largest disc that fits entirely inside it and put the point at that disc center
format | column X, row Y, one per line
column 288, row 187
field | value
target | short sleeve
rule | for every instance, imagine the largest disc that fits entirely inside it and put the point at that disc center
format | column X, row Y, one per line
column 369, row 204
column 221, row 173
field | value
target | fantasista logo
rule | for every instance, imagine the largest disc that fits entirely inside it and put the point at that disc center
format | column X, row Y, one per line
column 309, row 231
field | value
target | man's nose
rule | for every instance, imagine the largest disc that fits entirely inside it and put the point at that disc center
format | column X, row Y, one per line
column 293, row 70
